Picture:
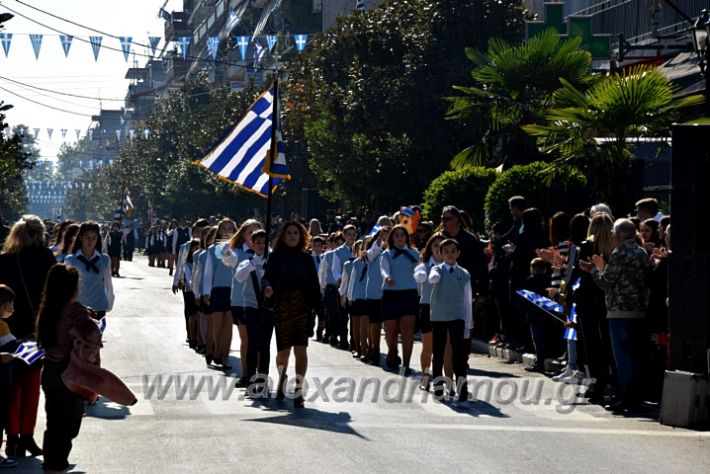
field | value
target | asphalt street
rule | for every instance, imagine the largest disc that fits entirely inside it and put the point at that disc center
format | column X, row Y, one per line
column 518, row 422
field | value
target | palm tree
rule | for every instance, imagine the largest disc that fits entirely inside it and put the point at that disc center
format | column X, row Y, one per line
column 593, row 131
column 513, row 87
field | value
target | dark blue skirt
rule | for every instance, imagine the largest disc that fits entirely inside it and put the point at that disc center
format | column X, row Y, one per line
column 398, row 303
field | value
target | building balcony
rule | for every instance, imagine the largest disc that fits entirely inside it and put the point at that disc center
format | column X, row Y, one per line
column 177, row 26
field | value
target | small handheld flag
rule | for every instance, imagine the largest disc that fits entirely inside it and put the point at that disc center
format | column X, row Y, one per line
column 28, row 352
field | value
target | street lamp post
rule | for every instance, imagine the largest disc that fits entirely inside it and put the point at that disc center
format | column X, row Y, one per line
column 701, row 43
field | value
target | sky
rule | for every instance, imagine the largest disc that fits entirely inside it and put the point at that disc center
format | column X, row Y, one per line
column 77, row 74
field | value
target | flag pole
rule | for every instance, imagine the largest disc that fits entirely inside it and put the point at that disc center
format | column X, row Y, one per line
column 274, row 153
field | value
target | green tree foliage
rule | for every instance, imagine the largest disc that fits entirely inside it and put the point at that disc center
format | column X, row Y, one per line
column 639, row 102
column 513, row 86
column 14, row 160
column 567, row 192
column 367, row 100
column 465, row 188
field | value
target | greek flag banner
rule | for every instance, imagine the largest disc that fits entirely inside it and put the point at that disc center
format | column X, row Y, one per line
column 96, row 45
column 126, row 45
column 153, row 40
column 6, row 40
column 213, row 46
column 271, row 41
column 243, row 155
column 243, row 44
column 300, row 41
column 66, row 43
column 374, row 230
column 36, row 44
column 28, row 352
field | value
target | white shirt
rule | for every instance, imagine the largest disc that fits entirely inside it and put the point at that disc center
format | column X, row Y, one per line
column 435, row 278
column 247, row 266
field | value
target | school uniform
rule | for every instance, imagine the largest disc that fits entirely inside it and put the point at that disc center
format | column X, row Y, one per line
column 181, row 235
column 402, row 298
column 95, row 284
column 259, row 320
column 357, row 288
column 451, row 315
column 373, row 285
column 238, row 303
column 330, row 293
column 421, row 275
column 113, row 242
column 341, row 255
column 217, row 283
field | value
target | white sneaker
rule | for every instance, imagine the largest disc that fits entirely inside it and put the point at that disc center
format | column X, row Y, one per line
column 576, row 378
column 564, row 374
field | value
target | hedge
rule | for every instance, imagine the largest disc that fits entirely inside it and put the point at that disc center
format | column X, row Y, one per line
column 464, row 188
column 568, row 192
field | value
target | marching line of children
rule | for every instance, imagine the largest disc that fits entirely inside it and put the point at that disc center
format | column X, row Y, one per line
column 375, row 282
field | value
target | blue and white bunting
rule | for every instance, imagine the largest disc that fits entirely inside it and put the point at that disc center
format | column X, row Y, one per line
column 66, row 41
column 271, row 41
column 36, row 130
column 64, row 132
column 153, row 41
column 126, row 45
column 118, row 134
column 96, row 45
column 184, row 43
column 213, row 46
column 78, row 133
column 259, row 53
column 28, row 352
column 49, row 132
column 300, row 41
column 6, row 40
column 146, row 133
column 243, row 44
column 241, row 157
column 36, row 40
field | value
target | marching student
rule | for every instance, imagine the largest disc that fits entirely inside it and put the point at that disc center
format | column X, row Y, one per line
column 329, row 288
column 179, row 278
column 431, row 256
column 400, row 299
column 373, row 291
column 192, row 309
column 113, row 247
column 95, row 285
column 217, row 288
column 130, row 237
column 345, row 293
column 67, row 242
column 239, row 249
column 318, row 246
column 357, row 292
column 342, row 254
column 451, row 315
column 151, row 245
column 259, row 320
column 162, row 241
column 199, row 259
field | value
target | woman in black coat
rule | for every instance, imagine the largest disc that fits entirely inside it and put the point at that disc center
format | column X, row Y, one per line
column 24, row 264
column 292, row 289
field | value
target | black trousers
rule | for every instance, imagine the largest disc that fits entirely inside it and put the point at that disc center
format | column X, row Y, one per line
column 455, row 330
column 64, row 413
column 260, row 328
column 331, row 299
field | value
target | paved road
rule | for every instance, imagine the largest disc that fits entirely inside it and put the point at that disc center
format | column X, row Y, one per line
column 507, row 431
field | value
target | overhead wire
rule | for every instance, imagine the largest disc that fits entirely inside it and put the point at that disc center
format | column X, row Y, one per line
column 45, row 105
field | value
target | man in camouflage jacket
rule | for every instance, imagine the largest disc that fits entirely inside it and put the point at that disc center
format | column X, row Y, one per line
column 623, row 280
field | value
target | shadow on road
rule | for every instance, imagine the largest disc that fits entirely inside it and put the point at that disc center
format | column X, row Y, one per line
column 103, row 410
column 308, row 418
column 475, row 408
column 491, row 374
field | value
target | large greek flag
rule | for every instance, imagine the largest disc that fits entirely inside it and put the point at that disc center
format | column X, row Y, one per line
column 243, row 156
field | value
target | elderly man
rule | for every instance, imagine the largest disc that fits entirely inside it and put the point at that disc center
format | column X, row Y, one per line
column 623, row 280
